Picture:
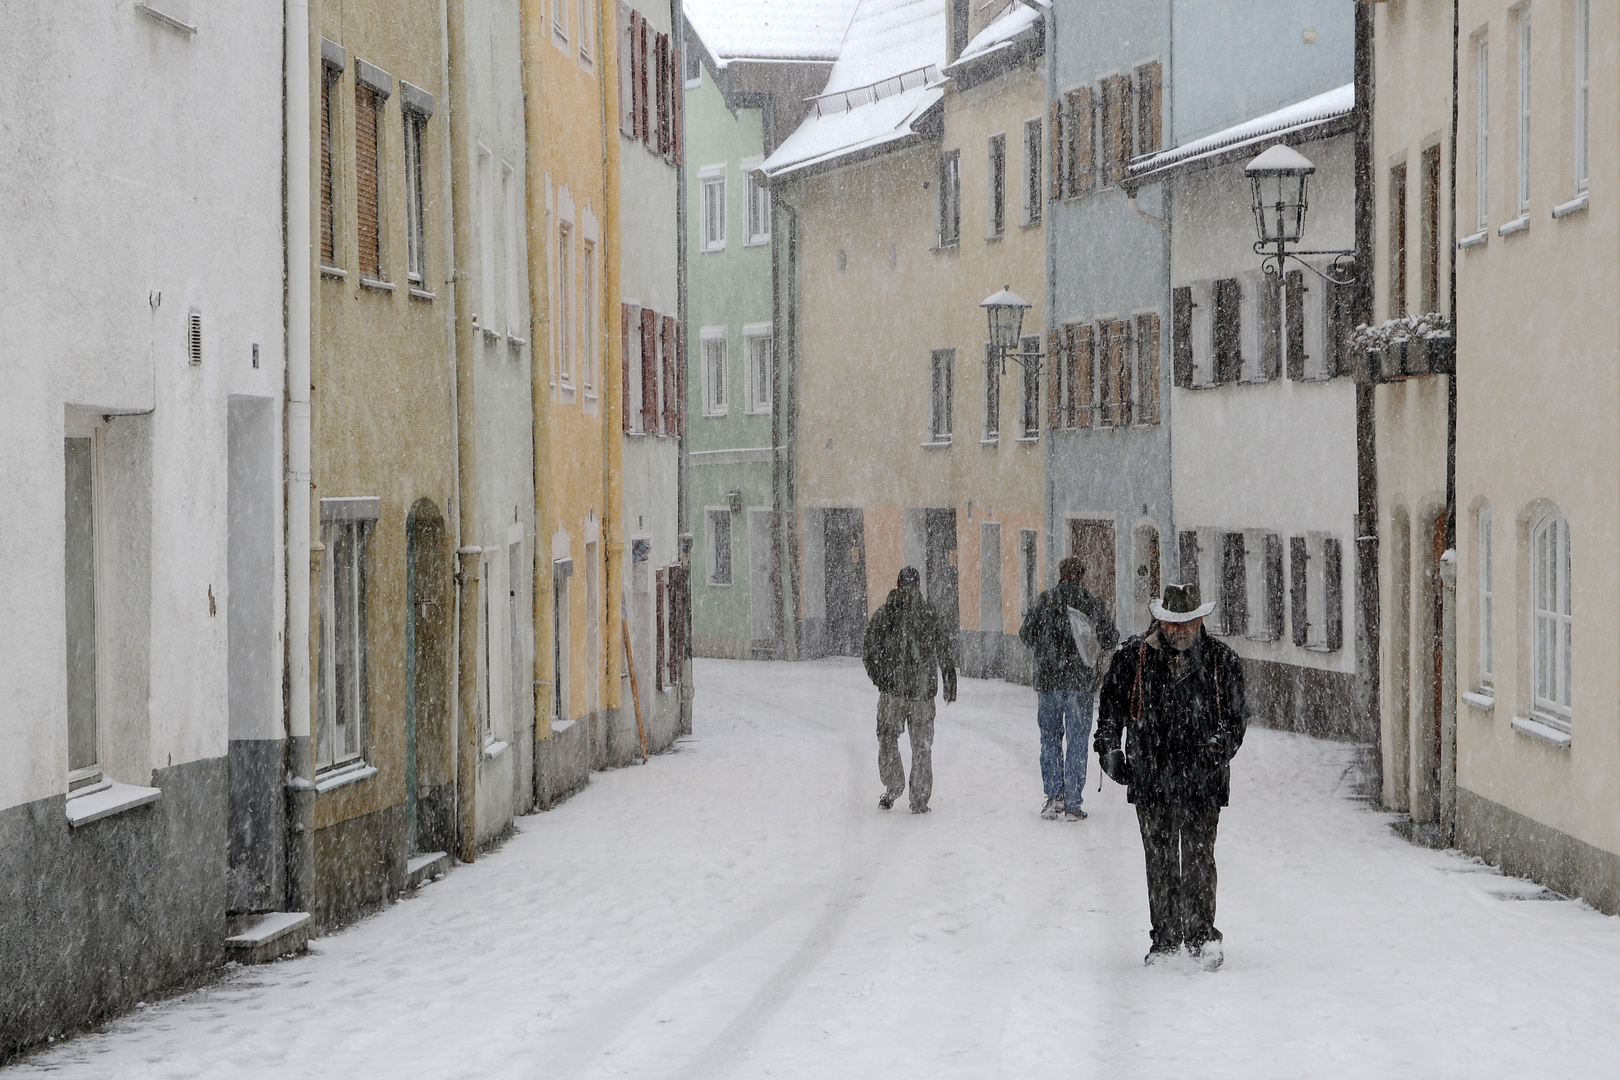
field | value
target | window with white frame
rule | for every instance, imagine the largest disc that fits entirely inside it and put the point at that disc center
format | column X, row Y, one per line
column 1030, row 400
column 759, row 206
column 564, row 293
column 1482, row 132
column 559, row 18
column 998, row 185
column 1487, row 600
column 692, row 65
column 587, row 27
column 1552, row 625
column 485, row 315
column 486, row 645
column 757, row 349
column 82, row 578
column 949, row 179
column 719, row 546
column 511, row 230
column 712, row 179
column 588, row 317
column 939, row 398
column 715, row 373
column 1583, row 19
column 415, row 231
column 1523, row 182
column 1263, row 555
column 1033, row 188
column 343, row 700
column 992, row 394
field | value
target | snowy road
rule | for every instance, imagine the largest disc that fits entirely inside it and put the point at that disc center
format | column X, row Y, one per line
column 741, row 908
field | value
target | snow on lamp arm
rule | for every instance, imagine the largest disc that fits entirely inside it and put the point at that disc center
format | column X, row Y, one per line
column 1006, row 312
column 1280, row 179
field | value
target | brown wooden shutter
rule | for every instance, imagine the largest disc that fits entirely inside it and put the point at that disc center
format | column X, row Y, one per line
column 677, row 82
column 680, row 379
column 1147, row 369
column 643, row 77
column 1299, row 578
column 1268, row 311
column 367, row 180
column 1336, row 338
column 625, row 318
column 1333, row 594
column 1116, row 129
column 1227, row 300
column 1294, row 322
column 1149, row 90
column 658, row 659
column 1079, row 126
column 649, row 371
column 1273, row 560
column 1054, row 390
column 328, row 206
column 672, row 397
column 1181, row 343
column 636, row 80
column 1119, row 361
column 661, row 69
column 1056, row 139
column 1082, row 394
column 1234, row 585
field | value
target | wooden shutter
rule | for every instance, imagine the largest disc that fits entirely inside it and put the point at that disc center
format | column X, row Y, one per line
column 1273, row 557
column 1187, row 555
column 1333, row 594
column 1056, row 125
column 1147, row 369
column 677, row 82
column 1336, row 334
column 677, row 622
column 649, row 371
column 637, row 83
column 367, row 180
column 1294, row 322
column 1149, row 90
column 659, row 652
column 671, row 395
column 1228, row 326
column 1299, row 555
column 1082, row 360
column 1234, row 586
column 1181, row 343
column 643, row 77
column 328, row 205
column 1055, row 358
column 1116, row 133
column 1268, row 312
column 661, row 67
column 1079, row 128
column 625, row 318
column 680, row 379
column 1119, row 379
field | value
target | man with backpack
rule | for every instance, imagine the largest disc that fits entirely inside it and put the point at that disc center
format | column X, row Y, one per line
column 1069, row 632
column 906, row 641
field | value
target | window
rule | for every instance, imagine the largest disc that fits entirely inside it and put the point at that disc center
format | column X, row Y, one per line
column 1266, row 596
column 1032, row 172
column 713, row 179
column 950, row 199
column 1482, row 133
column 719, row 546
column 343, row 700
column 1029, row 412
column 368, row 179
column 940, row 395
column 588, row 317
column 1114, row 339
column 1487, row 603
column 1397, row 241
column 992, row 394
column 1028, row 569
column 714, row 370
column 415, row 230
column 565, row 306
column 759, row 207
column 1583, row 56
column 1147, row 369
column 81, row 582
column 757, row 347
column 692, row 63
column 1552, row 624
column 1523, row 188
column 485, row 315
column 998, row 185
column 329, row 79
column 587, row 29
column 1149, row 91
column 627, row 72
column 486, row 645
column 519, row 673
column 559, row 18
column 1317, row 568
column 1069, row 396
column 511, row 230
column 1429, row 229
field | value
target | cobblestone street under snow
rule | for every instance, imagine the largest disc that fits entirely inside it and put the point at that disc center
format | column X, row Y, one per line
column 741, row 907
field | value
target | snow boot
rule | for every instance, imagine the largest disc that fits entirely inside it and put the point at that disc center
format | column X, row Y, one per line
column 1052, row 809
column 1161, row 954
column 886, row 800
column 1210, row 955
column 1076, row 814
column 919, row 809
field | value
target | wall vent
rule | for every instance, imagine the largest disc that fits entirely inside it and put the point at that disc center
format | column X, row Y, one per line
column 194, row 337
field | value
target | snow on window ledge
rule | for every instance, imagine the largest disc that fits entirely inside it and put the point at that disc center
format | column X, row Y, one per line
column 105, row 801
column 1576, row 205
column 343, row 777
column 1473, row 240
column 1482, row 701
column 1517, row 225
column 495, row 749
column 1537, row 729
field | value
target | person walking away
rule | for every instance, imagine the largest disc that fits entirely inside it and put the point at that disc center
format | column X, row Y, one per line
column 906, row 641
column 1069, row 631
column 1171, row 716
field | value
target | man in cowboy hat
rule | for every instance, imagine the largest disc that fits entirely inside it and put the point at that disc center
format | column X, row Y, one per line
column 1069, row 632
column 1170, row 718
column 906, row 641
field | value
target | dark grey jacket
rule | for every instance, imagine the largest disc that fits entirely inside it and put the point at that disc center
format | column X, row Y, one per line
column 1047, row 634
column 905, row 641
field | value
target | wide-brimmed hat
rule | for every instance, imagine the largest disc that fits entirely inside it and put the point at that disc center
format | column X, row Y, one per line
column 1180, row 605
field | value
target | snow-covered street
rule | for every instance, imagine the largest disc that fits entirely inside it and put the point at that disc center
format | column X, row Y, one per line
column 741, row 907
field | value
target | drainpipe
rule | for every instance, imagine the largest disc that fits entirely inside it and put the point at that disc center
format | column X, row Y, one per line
column 682, row 469
column 613, row 391
column 1448, row 697
column 300, row 756
column 469, row 556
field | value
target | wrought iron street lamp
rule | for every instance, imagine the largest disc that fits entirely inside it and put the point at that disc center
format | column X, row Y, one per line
column 1280, row 178
column 1006, row 312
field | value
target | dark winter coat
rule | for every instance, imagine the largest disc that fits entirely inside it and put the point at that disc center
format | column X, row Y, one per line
column 905, row 642
column 1047, row 633
column 1179, row 734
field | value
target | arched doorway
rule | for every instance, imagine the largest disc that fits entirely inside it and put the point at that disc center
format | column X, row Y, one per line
column 429, row 761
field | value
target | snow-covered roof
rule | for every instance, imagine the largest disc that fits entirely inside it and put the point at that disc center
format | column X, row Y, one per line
column 886, row 77
column 1316, row 111
column 1011, row 26
column 770, row 29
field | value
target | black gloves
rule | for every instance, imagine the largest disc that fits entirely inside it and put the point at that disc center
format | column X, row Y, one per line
column 1117, row 768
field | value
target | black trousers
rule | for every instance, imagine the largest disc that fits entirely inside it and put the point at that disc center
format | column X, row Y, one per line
column 1179, row 842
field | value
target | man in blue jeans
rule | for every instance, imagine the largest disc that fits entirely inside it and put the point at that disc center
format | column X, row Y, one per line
column 1070, row 633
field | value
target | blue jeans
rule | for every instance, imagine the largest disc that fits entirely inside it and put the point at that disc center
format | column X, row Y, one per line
column 1064, row 714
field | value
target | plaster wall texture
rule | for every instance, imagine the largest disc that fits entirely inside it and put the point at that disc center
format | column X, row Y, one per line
column 1280, row 455
column 382, row 416
column 1109, row 256
column 1541, row 300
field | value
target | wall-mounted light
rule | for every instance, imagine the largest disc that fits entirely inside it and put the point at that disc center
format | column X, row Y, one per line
column 1005, row 310
column 1280, row 180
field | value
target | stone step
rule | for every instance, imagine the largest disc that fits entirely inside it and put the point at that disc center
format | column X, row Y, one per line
column 270, row 937
column 421, row 869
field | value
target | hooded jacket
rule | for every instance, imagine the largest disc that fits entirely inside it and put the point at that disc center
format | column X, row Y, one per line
column 905, row 641
column 1048, row 636
column 1178, row 720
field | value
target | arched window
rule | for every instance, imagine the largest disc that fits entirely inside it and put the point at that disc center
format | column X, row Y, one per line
column 1551, row 625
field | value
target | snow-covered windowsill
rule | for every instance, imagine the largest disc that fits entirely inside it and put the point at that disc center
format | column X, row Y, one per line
column 352, row 774
column 1536, row 729
column 106, row 799
column 1473, row 240
column 1482, row 701
column 495, row 749
column 1517, row 225
column 1576, row 205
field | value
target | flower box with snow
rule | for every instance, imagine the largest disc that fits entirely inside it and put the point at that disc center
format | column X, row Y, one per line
column 1401, row 348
